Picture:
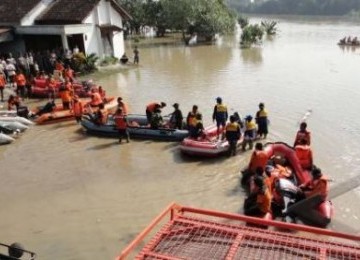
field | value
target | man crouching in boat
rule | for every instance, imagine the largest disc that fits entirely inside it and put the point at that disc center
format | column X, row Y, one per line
column 317, row 186
column 259, row 202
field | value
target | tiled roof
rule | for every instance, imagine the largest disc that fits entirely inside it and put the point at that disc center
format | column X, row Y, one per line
column 67, row 11
column 12, row 11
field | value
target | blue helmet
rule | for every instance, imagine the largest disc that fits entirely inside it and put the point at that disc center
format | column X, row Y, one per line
column 248, row 117
column 218, row 99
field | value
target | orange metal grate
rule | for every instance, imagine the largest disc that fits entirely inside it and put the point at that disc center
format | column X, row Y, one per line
column 188, row 235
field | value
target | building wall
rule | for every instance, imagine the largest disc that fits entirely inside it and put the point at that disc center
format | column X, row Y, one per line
column 118, row 37
column 103, row 12
column 92, row 40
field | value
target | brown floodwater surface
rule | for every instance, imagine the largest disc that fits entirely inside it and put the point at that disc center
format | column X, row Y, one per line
column 66, row 195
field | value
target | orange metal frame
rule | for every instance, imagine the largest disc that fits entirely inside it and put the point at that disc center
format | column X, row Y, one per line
column 179, row 214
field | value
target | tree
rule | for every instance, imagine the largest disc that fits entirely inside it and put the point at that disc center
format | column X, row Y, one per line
column 136, row 8
column 269, row 27
column 243, row 21
column 250, row 35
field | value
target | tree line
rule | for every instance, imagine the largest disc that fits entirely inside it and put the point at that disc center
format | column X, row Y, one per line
column 204, row 17
column 298, row 7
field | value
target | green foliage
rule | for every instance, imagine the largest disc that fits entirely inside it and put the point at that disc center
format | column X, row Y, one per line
column 85, row 63
column 108, row 60
column 251, row 34
column 269, row 27
column 243, row 21
column 300, row 7
column 136, row 8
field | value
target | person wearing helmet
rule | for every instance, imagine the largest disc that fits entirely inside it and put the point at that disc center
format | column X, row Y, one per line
column 258, row 203
column 220, row 114
column 250, row 132
column 262, row 121
column 317, row 186
column 150, row 109
column 302, row 134
column 232, row 134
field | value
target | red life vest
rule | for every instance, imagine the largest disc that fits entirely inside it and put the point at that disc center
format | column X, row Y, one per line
column 304, row 154
column 151, row 107
column 120, row 121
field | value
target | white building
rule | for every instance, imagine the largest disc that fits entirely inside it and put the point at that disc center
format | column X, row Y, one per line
column 93, row 26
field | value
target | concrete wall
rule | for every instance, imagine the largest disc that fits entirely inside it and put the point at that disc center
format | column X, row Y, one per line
column 118, row 37
column 92, row 39
column 103, row 12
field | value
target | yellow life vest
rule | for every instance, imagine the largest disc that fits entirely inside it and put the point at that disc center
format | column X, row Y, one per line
column 262, row 113
column 232, row 127
column 250, row 125
column 220, row 108
column 192, row 119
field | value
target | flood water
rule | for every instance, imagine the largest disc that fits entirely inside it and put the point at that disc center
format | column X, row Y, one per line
column 66, row 195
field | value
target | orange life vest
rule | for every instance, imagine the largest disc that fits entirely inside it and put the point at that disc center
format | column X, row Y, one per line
column 69, row 73
column 151, row 107
column 77, row 107
column 304, row 154
column 2, row 81
column 258, row 159
column 120, row 121
column 20, row 80
column 264, row 201
column 303, row 135
column 318, row 186
column 96, row 99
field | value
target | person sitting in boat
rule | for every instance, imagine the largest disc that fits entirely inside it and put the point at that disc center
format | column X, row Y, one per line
column 355, row 41
column 176, row 118
column 150, row 108
column 258, row 158
column 121, row 125
column 262, row 121
column 304, row 154
column 96, row 99
column 101, row 115
column 258, row 203
column 198, row 130
column 191, row 118
column 317, row 186
column 302, row 134
column 48, row 108
column 348, row 40
column 250, row 132
column 220, row 115
column 156, row 120
column 233, row 134
column 121, row 104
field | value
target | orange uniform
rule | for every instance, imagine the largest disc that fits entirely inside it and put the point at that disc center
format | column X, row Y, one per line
column 69, row 73
column 263, row 200
column 20, row 79
column 59, row 66
column 302, row 135
column 258, row 159
column 304, row 154
column 2, row 81
column 151, row 107
column 95, row 99
column 120, row 121
column 318, row 186
column 78, row 108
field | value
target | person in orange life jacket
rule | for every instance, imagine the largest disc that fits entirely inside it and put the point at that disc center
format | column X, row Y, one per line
column 51, row 87
column 259, row 158
column 232, row 134
column 220, row 114
column 122, row 105
column 150, row 109
column 102, row 93
column 95, row 99
column 20, row 83
column 191, row 119
column 2, row 85
column 176, row 118
column 304, row 154
column 77, row 108
column 259, row 202
column 69, row 73
column 302, row 134
column 317, row 186
column 250, row 132
column 101, row 115
column 65, row 94
column 262, row 121
column 121, row 125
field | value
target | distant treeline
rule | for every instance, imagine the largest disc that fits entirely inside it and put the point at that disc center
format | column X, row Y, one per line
column 298, row 7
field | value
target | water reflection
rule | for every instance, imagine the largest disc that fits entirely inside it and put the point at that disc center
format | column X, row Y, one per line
column 252, row 55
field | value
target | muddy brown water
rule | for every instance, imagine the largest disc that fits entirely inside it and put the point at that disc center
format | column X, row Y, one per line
column 66, row 195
